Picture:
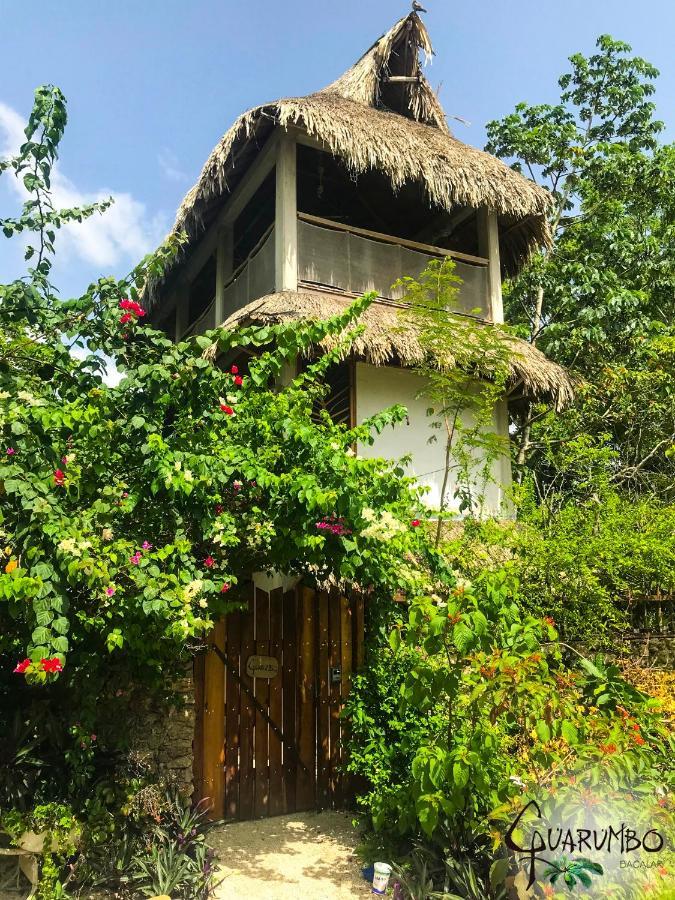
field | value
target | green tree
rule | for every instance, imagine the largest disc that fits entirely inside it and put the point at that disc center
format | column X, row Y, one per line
column 464, row 372
column 601, row 299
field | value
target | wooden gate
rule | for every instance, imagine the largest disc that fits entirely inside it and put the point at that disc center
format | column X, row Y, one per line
column 269, row 693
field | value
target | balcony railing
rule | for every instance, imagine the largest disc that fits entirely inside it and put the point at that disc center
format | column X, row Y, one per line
column 354, row 260
column 252, row 279
column 348, row 259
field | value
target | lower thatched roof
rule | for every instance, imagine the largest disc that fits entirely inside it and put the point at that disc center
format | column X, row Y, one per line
column 389, row 338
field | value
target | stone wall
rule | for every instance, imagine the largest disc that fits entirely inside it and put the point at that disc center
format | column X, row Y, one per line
column 651, row 650
column 161, row 731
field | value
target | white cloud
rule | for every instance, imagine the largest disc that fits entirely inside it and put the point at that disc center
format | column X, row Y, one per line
column 123, row 234
column 170, row 165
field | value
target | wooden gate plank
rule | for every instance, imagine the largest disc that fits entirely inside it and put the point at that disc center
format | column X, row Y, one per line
column 213, row 766
column 232, row 704
column 290, row 644
column 276, row 803
column 247, row 715
column 306, row 789
column 345, row 686
column 262, row 695
column 198, row 739
column 323, row 710
column 334, row 659
column 359, row 631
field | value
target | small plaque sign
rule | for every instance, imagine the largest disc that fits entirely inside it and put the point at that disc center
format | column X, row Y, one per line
column 262, row 667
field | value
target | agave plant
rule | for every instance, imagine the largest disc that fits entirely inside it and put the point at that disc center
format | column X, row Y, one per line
column 573, row 870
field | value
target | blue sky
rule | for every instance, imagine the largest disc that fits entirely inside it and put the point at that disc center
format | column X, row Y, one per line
column 152, row 85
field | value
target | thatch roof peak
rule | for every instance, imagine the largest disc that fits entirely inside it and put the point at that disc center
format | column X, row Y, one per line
column 370, row 119
column 382, row 69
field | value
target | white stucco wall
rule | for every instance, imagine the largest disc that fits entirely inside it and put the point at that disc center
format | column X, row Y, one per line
column 378, row 387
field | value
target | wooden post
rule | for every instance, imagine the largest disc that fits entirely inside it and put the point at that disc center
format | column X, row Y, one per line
column 286, row 219
column 213, row 772
column 488, row 244
column 224, row 252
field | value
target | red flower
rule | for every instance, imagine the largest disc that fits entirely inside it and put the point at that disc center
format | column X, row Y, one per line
column 639, row 740
column 59, row 477
column 127, row 317
column 132, row 307
column 21, row 667
column 608, row 749
column 238, row 380
column 548, row 620
column 225, row 588
column 209, row 562
column 52, row 665
column 226, row 409
column 415, row 523
column 234, row 370
column 219, row 508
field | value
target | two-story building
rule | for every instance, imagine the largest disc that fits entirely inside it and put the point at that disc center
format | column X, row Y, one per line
column 304, row 204
column 308, row 202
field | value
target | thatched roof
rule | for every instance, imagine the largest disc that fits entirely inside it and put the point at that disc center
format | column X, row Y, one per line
column 389, row 337
column 412, row 144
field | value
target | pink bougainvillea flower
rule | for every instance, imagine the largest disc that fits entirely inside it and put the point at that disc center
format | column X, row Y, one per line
column 209, row 562
column 237, row 485
column 219, row 508
column 226, row 409
column 110, row 590
column 234, row 370
column 93, row 737
column 225, row 588
column 11, row 451
column 21, row 667
column 59, row 477
column 334, row 525
column 136, row 558
column 51, row 665
column 415, row 523
column 238, row 380
column 125, row 319
column 146, row 545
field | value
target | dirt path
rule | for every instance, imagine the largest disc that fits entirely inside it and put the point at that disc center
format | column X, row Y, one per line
column 307, row 856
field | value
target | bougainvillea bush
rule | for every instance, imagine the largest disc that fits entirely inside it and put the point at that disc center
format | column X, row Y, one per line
column 130, row 514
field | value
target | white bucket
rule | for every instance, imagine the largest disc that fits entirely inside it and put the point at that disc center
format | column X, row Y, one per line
column 381, row 877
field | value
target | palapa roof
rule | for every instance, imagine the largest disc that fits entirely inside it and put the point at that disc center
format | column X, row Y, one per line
column 389, row 337
column 350, row 119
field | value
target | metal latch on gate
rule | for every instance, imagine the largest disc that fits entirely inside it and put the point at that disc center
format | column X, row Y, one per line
column 335, row 674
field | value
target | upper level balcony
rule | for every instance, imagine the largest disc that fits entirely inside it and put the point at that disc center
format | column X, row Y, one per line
column 337, row 257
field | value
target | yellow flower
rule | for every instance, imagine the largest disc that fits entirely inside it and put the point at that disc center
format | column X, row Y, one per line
column 11, row 565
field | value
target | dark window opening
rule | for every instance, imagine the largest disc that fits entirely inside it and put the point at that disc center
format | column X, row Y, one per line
column 254, row 220
column 337, row 401
column 403, row 62
column 202, row 290
column 327, row 188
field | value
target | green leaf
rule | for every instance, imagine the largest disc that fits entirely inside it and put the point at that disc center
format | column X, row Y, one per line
column 569, row 732
column 40, row 635
column 543, row 731
column 498, row 872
